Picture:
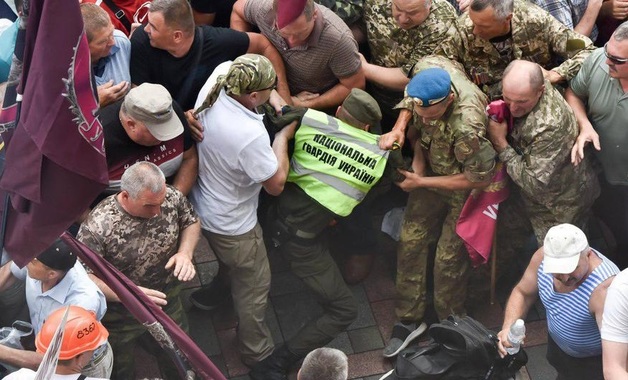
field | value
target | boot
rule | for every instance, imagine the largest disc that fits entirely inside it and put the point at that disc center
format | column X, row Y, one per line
column 275, row 366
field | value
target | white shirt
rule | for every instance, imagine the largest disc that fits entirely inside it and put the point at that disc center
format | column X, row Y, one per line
column 235, row 157
column 28, row 374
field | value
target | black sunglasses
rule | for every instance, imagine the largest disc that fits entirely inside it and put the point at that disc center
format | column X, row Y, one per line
column 613, row 59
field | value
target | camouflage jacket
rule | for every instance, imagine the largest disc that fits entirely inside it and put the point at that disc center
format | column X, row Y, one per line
column 392, row 46
column 349, row 11
column 536, row 37
column 456, row 143
column 538, row 159
column 138, row 247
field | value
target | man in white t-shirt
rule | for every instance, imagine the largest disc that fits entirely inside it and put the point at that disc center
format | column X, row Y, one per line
column 235, row 161
column 615, row 329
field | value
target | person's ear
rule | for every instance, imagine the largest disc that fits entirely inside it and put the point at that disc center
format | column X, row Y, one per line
column 338, row 112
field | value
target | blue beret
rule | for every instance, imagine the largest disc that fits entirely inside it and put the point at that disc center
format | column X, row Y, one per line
column 429, row 86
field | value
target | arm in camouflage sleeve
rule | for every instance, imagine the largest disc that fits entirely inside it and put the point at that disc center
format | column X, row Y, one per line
column 570, row 45
column 533, row 170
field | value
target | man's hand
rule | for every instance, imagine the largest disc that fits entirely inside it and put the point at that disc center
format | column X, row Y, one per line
column 619, row 10
column 183, row 266
column 463, row 5
column 156, row 296
column 392, row 140
column 503, row 342
column 412, row 181
column 552, row 76
column 587, row 135
column 497, row 133
column 277, row 101
column 109, row 93
column 301, row 99
column 195, row 126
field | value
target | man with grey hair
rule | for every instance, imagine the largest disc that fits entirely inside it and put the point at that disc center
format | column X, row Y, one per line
column 495, row 32
column 324, row 363
column 597, row 96
column 546, row 189
column 571, row 279
column 148, row 231
column 110, row 52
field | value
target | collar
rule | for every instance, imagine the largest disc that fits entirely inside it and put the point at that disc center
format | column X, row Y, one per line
column 319, row 25
column 60, row 291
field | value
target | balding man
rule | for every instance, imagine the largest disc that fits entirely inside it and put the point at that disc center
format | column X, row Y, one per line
column 537, row 155
column 110, row 51
column 495, row 32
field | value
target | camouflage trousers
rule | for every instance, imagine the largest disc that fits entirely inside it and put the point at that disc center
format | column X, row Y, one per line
column 125, row 332
column 429, row 215
column 312, row 263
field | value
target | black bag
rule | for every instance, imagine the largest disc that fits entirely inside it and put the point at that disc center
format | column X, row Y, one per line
column 461, row 349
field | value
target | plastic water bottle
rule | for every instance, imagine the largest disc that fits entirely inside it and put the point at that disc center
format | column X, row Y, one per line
column 515, row 336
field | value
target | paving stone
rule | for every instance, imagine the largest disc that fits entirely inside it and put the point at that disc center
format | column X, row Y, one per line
column 203, row 252
column 365, row 316
column 366, row 339
column 273, row 324
column 538, row 367
column 224, row 317
column 342, row 343
column 277, row 262
column 491, row 316
column 384, row 314
column 379, row 285
column 367, row 363
column 228, row 343
column 204, row 333
column 206, row 272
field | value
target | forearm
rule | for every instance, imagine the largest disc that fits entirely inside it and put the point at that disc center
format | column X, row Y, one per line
column 392, row 78
column 516, row 308
column 110, row 295
column 280, row 148
column 587, row 22
column 451, row 182
column 330, row 99
column 20, row 358
column 187, row 173
column 189, row 238
column 577, row 105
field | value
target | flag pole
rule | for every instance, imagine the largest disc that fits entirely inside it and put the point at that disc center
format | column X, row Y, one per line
column 493, row 267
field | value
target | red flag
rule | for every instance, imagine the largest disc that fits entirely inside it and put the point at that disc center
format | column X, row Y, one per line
column 478, row 219
column 55, row 161
column 172, row 339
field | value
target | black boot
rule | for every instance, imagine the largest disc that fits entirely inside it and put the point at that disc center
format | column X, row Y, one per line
column 275, row 366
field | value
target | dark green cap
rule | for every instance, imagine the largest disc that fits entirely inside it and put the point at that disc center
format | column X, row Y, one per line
column 362, row 107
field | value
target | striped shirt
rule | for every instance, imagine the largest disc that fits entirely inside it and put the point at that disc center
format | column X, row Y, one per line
column 569, row 321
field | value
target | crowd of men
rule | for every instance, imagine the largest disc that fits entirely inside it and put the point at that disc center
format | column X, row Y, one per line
column 321, row 109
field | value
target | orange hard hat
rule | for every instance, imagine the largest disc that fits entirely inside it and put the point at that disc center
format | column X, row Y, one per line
column 83, row 332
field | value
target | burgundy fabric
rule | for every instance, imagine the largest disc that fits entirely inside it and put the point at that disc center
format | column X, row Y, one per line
column 288, row 11
column 146, row 312
column 477, row 222
column 55, row 161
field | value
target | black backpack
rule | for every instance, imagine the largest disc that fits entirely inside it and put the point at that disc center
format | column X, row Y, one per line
column 460, row 349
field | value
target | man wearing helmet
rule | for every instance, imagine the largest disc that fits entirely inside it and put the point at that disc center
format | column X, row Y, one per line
column 83, row 334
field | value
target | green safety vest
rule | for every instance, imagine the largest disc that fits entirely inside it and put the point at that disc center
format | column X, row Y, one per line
column 335, row 163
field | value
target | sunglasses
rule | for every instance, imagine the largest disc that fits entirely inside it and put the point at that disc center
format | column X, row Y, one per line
column 613, row 59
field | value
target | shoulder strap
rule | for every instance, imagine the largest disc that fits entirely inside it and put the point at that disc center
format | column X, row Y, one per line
column 82, row 377
column 119, row 14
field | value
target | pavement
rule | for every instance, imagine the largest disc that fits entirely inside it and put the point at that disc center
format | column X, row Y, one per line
column 291, row 305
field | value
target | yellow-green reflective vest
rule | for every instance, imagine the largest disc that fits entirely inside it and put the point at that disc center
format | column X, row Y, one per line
column 335, row 163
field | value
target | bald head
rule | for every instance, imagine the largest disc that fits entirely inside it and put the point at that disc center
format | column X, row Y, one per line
column 522, row 87
column 522, row 72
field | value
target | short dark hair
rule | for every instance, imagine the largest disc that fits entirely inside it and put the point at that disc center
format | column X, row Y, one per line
column 177, row 14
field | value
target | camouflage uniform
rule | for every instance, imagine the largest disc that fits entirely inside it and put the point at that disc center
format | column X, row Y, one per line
column 538, row 161
column 453, row 145
column 536, row 37
column 350, row 11
column 139, row 248
column 392, row 46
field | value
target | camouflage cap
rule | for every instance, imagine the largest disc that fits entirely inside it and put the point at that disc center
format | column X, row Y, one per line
column 248, row 73
column 362, row 107
column 430, row 86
